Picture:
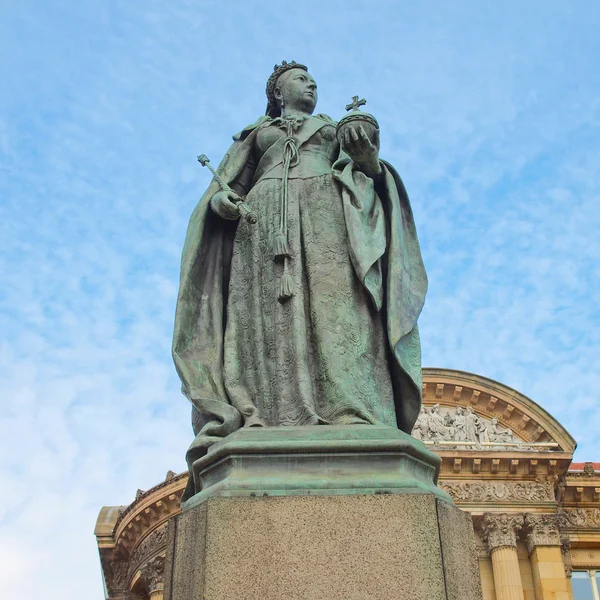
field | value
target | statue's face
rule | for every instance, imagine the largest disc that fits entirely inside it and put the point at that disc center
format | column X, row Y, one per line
column 297, row 89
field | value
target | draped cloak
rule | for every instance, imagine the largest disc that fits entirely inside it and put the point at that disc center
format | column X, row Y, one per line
column 385, row 254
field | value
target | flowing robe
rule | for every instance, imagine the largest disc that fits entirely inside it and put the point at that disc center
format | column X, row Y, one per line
column 231, row 376
column 460, row 423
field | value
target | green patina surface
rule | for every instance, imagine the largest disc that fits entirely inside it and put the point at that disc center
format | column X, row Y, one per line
column 303, row 313
column 316, row 460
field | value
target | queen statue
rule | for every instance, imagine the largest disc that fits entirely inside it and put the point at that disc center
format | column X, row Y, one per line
column 307, row 313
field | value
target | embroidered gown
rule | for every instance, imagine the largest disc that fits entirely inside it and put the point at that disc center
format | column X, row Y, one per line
column 345, row 347
column 321, row 355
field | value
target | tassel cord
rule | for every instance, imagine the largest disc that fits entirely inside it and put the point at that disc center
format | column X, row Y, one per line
column 290, row 158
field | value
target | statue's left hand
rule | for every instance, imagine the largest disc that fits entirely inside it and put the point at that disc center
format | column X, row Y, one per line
column 365, row 153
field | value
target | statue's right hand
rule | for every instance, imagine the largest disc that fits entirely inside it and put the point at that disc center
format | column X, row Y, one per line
column 223, row 204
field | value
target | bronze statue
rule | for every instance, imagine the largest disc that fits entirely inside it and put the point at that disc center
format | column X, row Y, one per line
column 307, row 313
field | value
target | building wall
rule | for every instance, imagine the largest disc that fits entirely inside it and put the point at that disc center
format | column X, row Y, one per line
column 554, row 504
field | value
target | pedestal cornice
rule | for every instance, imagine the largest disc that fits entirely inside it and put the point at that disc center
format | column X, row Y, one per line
column 320, row 460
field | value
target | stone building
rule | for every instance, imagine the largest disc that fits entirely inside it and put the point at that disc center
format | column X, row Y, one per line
column 505, row 460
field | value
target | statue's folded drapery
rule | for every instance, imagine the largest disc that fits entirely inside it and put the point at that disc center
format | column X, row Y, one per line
column 382, row 248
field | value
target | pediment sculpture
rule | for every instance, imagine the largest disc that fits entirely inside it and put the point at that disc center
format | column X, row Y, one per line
column 460, row 425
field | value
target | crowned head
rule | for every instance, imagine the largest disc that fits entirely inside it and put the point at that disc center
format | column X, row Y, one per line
column 290, row 85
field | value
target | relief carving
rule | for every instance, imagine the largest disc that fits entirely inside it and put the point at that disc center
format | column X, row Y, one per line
column 485, row 491
column 500, row 530
column 152, row 545
column 582, row 517
column 543, row 530
column 115, row 577
column 588, row 469
column 460, row 425
column 152, row 573
column 481, row 546
column 566, row 554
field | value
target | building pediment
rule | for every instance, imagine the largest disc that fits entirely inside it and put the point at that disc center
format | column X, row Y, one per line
column 496, row 416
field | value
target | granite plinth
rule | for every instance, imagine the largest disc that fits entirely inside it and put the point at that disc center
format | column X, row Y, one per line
column 316, row 460
column 345, row 547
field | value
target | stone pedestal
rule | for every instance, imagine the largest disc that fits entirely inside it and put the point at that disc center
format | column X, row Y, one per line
column 343, row 517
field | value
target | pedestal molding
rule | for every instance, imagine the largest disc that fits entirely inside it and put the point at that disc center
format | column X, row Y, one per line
column 319, row 460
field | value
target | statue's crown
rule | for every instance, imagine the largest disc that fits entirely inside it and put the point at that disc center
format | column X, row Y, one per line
column 278, row 71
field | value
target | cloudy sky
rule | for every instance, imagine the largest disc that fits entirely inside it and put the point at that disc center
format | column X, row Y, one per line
column 489, row 110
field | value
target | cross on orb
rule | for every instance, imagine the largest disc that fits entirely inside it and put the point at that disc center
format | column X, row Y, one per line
column 356, row 103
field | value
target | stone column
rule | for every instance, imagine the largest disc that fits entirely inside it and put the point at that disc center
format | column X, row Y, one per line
column 500, row 533
column 545, row 555
column 152, row 574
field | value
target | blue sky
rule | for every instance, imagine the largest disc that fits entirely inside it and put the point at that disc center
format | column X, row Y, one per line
column 490, row 112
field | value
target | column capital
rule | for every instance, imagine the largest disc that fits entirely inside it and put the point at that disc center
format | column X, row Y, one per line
column 500, row 529
column 153, row 572
column 543, row 530
column 115, row 578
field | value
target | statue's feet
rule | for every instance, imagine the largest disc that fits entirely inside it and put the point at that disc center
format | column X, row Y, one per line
column 254, row 421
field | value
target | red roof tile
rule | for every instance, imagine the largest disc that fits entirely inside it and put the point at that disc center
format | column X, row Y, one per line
column 578, row 466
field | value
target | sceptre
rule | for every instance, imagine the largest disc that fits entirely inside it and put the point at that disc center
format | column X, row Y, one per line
column 244, row 210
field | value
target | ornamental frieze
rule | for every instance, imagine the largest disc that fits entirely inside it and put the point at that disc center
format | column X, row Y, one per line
column 489, row 491
column 154, row 544
column 582, row 517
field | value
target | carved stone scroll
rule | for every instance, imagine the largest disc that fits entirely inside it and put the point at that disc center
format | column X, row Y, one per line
column 153, row 544
column 115, row 578
column 153, row 572
column 486, row 491
column 500, row 530
column 543, row 530
column 566, row 554
column 588, row 518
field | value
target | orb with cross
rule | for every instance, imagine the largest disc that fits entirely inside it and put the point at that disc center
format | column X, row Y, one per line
column 355, row 117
